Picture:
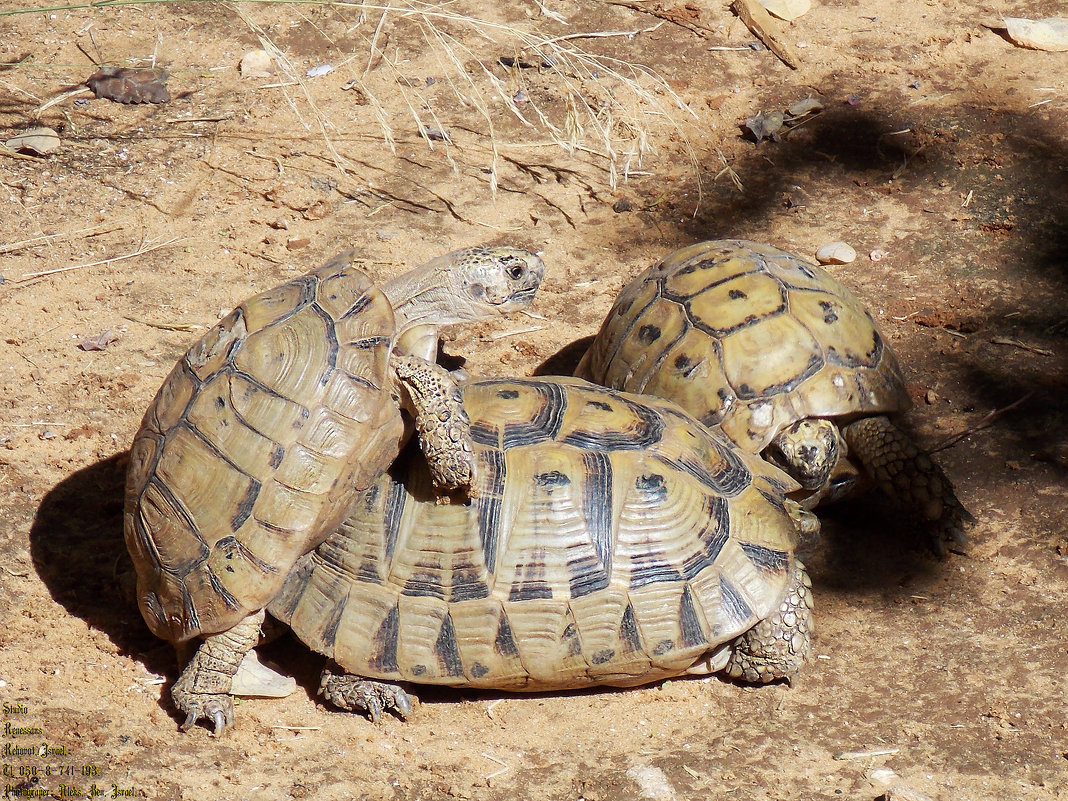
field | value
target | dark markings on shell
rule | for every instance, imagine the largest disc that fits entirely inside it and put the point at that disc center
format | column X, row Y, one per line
column 692, row 635
column 829, row 314
column 587, row 575
column 815, row 364
column 604, row 407
column 370, row 343
column 286, row 602
column 174, row 507
column 628, row 631
column 417, row 670
column 394, row 509
column 384, row 643
column 651, row 567
column 737, row 294
column 485, row 434
column 358, row 306
column 705, row 264
column 229, row 600
column 731, row 601
column 647, row 431
column 467, row 585
column 244, row 508
column 648, row 334
column 625, row 308
column 870, row 359
column 602, row 656
column 652, row 486
column 713, row 537
column 333, row 619
column 333, row 348
column 530, row 582
column 682, row 362
column 488, row 505
column 478, row 670
column 545, row 425
column 231, row 548
column 508, row 394
column 752, row 319
column 447, row 651
column 768, row 560
column 192, row 619
column 664, row 647
column 504, row 643
column 732, row 479
column 571, row 639
column 550, row 480
column 425, row 584
column 277, row 454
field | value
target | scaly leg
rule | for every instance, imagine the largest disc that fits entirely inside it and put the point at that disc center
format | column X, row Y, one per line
column 444, row 429
column 778, row 645
column 907, row 474
column 203, row 689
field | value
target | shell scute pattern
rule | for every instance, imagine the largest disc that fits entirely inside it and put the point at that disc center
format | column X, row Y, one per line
column 582, row 559
column 247, row 449
column 750, row 338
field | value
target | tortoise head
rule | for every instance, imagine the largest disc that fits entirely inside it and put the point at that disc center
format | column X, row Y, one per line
column 470, row 284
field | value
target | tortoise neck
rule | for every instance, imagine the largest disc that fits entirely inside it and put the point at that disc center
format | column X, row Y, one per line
column 430, row 295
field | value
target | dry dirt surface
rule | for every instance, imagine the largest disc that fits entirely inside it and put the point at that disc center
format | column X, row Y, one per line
column 941, row 149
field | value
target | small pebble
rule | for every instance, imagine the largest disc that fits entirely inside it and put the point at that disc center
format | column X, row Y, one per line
column 836, row 253
column 878, row 254
column 322, row 69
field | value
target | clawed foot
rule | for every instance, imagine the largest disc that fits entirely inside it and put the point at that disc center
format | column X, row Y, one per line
column 354, row 694
column 215, row 707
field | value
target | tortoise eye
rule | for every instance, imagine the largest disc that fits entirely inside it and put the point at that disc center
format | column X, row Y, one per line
column 515, row 270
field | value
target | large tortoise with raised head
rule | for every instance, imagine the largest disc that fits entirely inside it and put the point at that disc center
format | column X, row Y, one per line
column 264, row 430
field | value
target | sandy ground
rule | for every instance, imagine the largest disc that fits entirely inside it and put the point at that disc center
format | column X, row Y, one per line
column 941, row 144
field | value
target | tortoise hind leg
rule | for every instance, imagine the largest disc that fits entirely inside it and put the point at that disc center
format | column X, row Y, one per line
column 444, row 429
column 777, row 646
column 906, row 473
column 355, row 694
column 203, row 689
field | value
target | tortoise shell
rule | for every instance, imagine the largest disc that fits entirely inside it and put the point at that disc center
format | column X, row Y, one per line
column 612, row 540
column 748, row 337
column 249, row 453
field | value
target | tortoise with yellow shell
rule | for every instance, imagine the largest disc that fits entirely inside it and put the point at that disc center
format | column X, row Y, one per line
column 785, row 360
column 260, row 435
column 611, row 540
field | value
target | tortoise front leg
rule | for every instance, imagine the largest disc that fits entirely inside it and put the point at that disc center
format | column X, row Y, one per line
column 777, row 646
column 203, row 689
column 443, row 427
column 356, row 694
column 907, row 474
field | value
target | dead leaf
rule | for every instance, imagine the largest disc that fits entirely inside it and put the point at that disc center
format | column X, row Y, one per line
column 99, row 342
column 40, row 141
column 1039, row 34
column 130, row 86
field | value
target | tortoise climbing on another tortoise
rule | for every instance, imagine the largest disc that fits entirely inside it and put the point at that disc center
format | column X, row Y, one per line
column 785, row 360
column 613, row 540
column 263, row 431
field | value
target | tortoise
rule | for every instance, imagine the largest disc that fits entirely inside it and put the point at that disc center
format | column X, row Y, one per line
column 249, row 453
column 613, row 540
column 785, row 360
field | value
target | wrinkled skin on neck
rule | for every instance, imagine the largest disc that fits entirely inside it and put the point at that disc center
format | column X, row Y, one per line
column 471, row 284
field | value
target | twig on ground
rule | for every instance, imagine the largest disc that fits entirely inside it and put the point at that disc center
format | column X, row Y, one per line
column 139, row 252
column 985, row 422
